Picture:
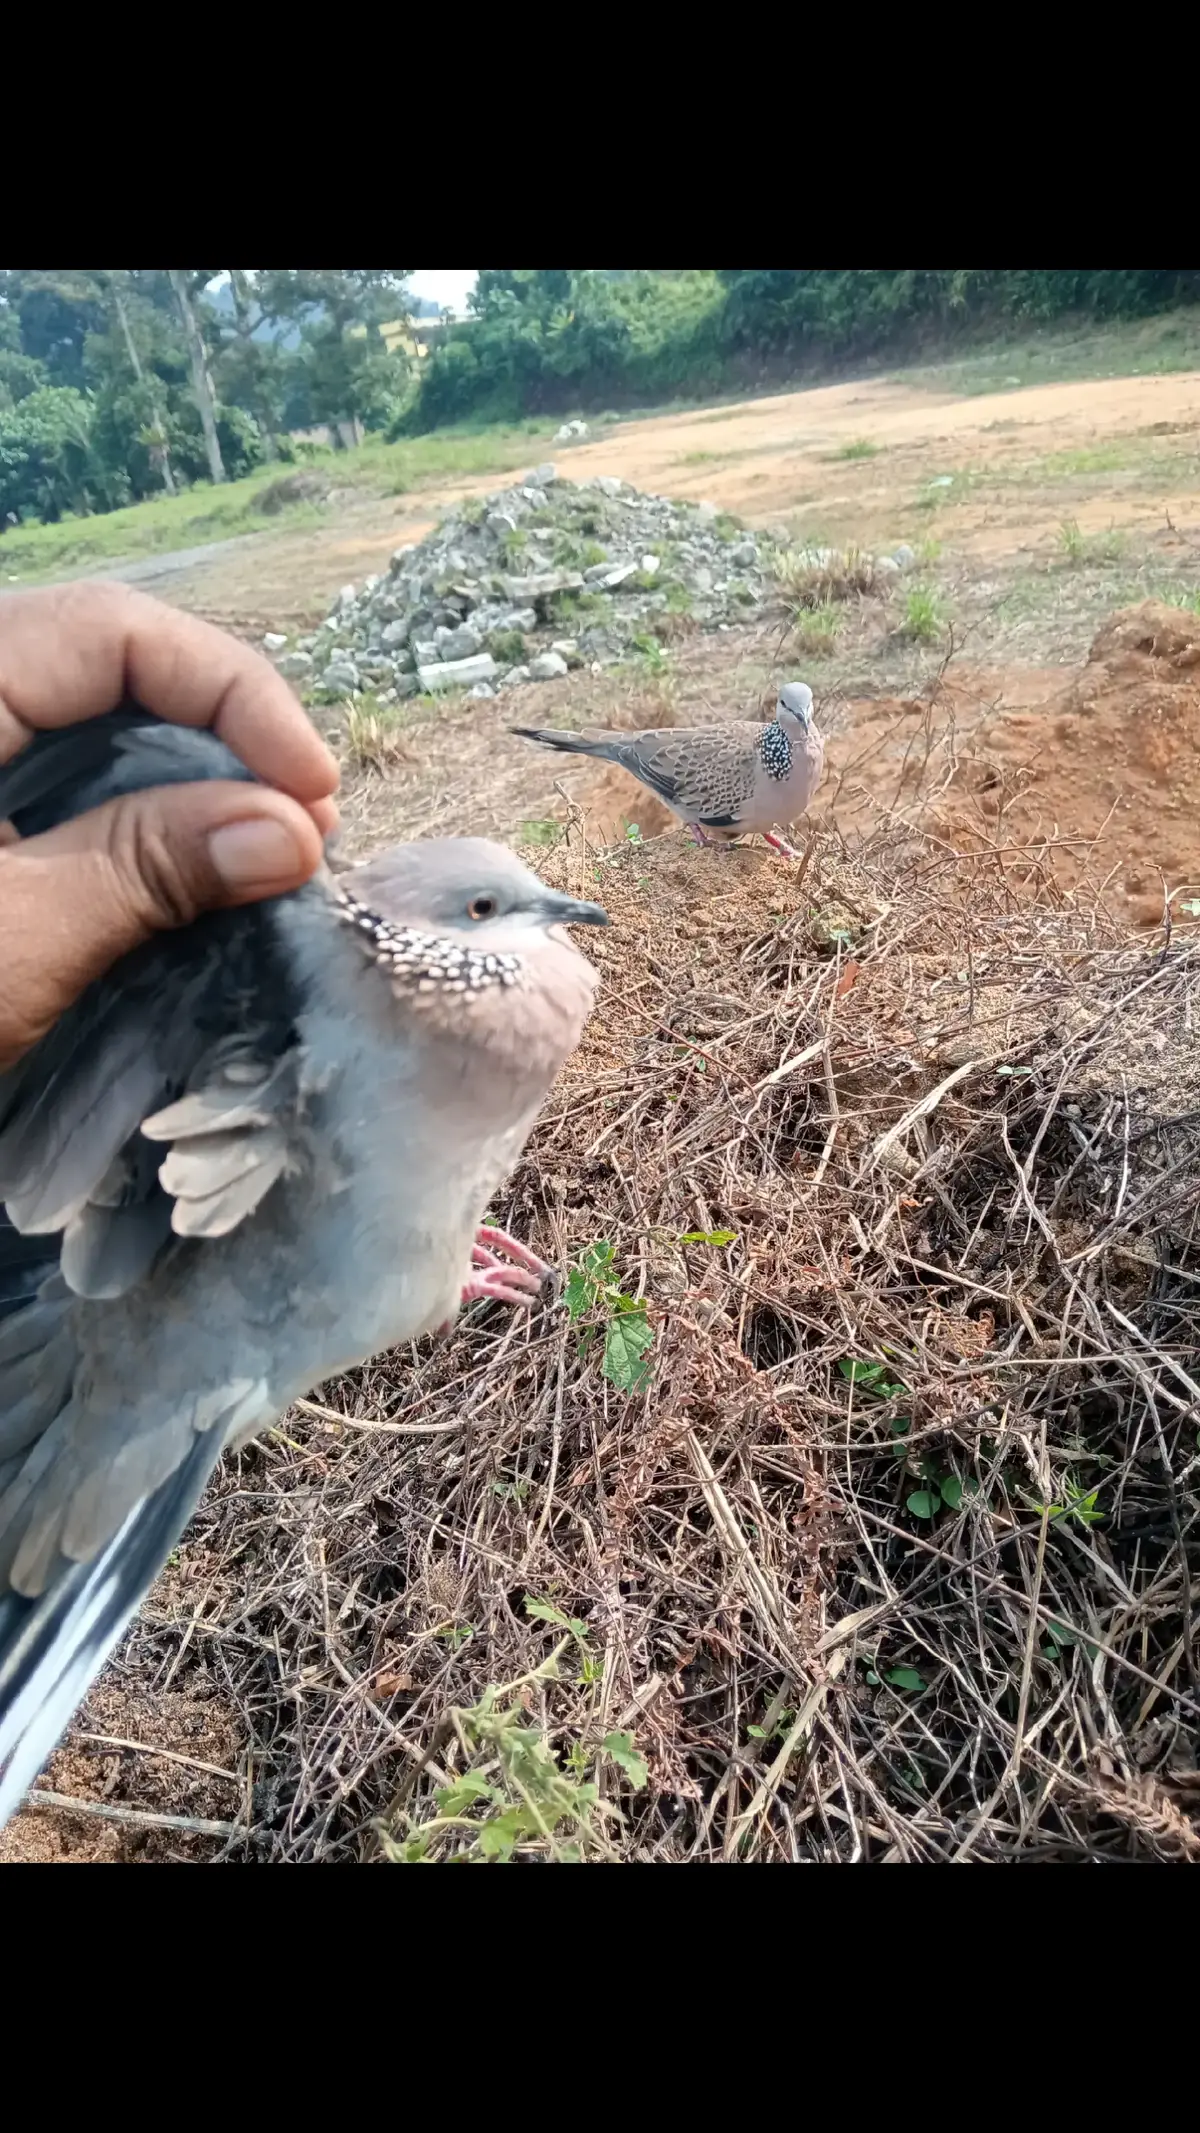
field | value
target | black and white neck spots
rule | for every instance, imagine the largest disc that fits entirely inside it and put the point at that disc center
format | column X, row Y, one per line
column 432, row 963
column 776, row 751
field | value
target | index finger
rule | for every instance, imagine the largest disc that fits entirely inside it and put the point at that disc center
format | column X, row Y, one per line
column 71, row 652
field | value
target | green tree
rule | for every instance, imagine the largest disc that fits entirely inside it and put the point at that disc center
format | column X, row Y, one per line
column 342, row 369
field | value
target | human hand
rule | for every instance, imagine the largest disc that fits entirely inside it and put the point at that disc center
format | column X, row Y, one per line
column 75, row 899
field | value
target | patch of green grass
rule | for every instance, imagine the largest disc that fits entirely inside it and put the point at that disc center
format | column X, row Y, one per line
column 545, row 831
column 1133, row 348
column 815, row 630
column 1076, row 547
column 204, row 513
column 649, row 649
column 1071, row 541
column 512, row 544
column 858, row 448
column 507, row 647
column 923, row 621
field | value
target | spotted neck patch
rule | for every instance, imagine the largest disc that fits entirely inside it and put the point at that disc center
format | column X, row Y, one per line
column 775, row 750
column 429, row 962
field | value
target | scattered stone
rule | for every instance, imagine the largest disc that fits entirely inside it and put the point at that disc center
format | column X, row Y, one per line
column 274, row 641
column 904, row 556
column 608, row 484
column 341, row 678
column 482, row 688
column 569, row 431
column 426, row 650
column 649, row 564
column 456, row 673
column 547, row 666
column 542, row 586
column 542, row 476
column 744, row 554
column 460, row 643
column 886, row 566
column 514, row 677
column 294, row 665
column 707, row 512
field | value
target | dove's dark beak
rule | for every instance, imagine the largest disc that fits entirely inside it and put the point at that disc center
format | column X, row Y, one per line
column 568, row 911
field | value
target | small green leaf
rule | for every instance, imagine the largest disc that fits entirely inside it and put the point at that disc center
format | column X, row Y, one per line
column 709, row 1236
column 905, row 1677
column 545, row 1611
column 500, row 1835
column 901, row 1424
column 619, row 1747
column 858, row 1372
column 872, row 1678
column 578, row 1292
column 598, row 1256
column 757, row 1732
column 1191, row 906
column 456, row 1798
column 922, row 1503
column 626, row 1363
column 952, row 1491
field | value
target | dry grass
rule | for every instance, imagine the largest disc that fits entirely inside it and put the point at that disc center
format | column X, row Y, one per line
column 806, row 583
column 935, row 1606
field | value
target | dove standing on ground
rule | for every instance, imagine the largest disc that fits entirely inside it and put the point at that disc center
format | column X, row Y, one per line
column 722, row 781
column 252, row 1155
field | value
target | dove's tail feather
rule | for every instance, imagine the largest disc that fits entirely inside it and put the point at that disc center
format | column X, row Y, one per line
column 52, row 1648
column 568, row 743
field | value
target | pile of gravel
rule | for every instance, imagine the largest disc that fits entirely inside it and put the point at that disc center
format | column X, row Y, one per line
column 540, row 577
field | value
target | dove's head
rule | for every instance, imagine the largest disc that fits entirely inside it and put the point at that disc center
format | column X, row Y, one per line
column 465, row 889
column 457, row 923
column 795, row 703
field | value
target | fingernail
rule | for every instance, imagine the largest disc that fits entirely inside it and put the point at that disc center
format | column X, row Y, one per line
column 250, row 855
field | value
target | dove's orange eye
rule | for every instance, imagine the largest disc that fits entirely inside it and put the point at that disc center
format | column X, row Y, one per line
column 482, row 907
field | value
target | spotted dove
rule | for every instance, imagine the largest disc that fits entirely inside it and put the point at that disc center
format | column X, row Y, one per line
column 722, row 781
column 255, row 1153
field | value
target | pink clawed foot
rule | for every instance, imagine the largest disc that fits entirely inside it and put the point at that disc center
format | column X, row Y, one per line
column 696, row 833
column 780, row 844
column 521, row 1284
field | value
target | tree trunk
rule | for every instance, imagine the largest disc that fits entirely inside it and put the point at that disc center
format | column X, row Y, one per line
column 241, row 311
column 201, row 382
column 159, row 454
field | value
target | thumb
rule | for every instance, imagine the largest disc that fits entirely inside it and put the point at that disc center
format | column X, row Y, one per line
column 75, row 899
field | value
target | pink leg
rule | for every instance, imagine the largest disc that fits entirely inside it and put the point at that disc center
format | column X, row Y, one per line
column 696, row 833
column 521, row 1284
column 780, row 844
column 498, row 1240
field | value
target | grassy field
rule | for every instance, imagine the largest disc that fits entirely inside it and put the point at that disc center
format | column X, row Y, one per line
column 204, row 513
column 1128, row 348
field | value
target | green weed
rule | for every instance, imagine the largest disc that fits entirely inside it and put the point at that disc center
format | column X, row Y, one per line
column 593, row 1296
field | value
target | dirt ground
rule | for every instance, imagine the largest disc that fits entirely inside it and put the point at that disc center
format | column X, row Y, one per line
column 1019, row 462
column 1049, row 722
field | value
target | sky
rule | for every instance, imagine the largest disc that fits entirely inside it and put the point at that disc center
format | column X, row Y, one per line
column 448, row 286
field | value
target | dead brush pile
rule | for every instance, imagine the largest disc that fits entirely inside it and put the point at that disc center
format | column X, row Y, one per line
column 847, row 1509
